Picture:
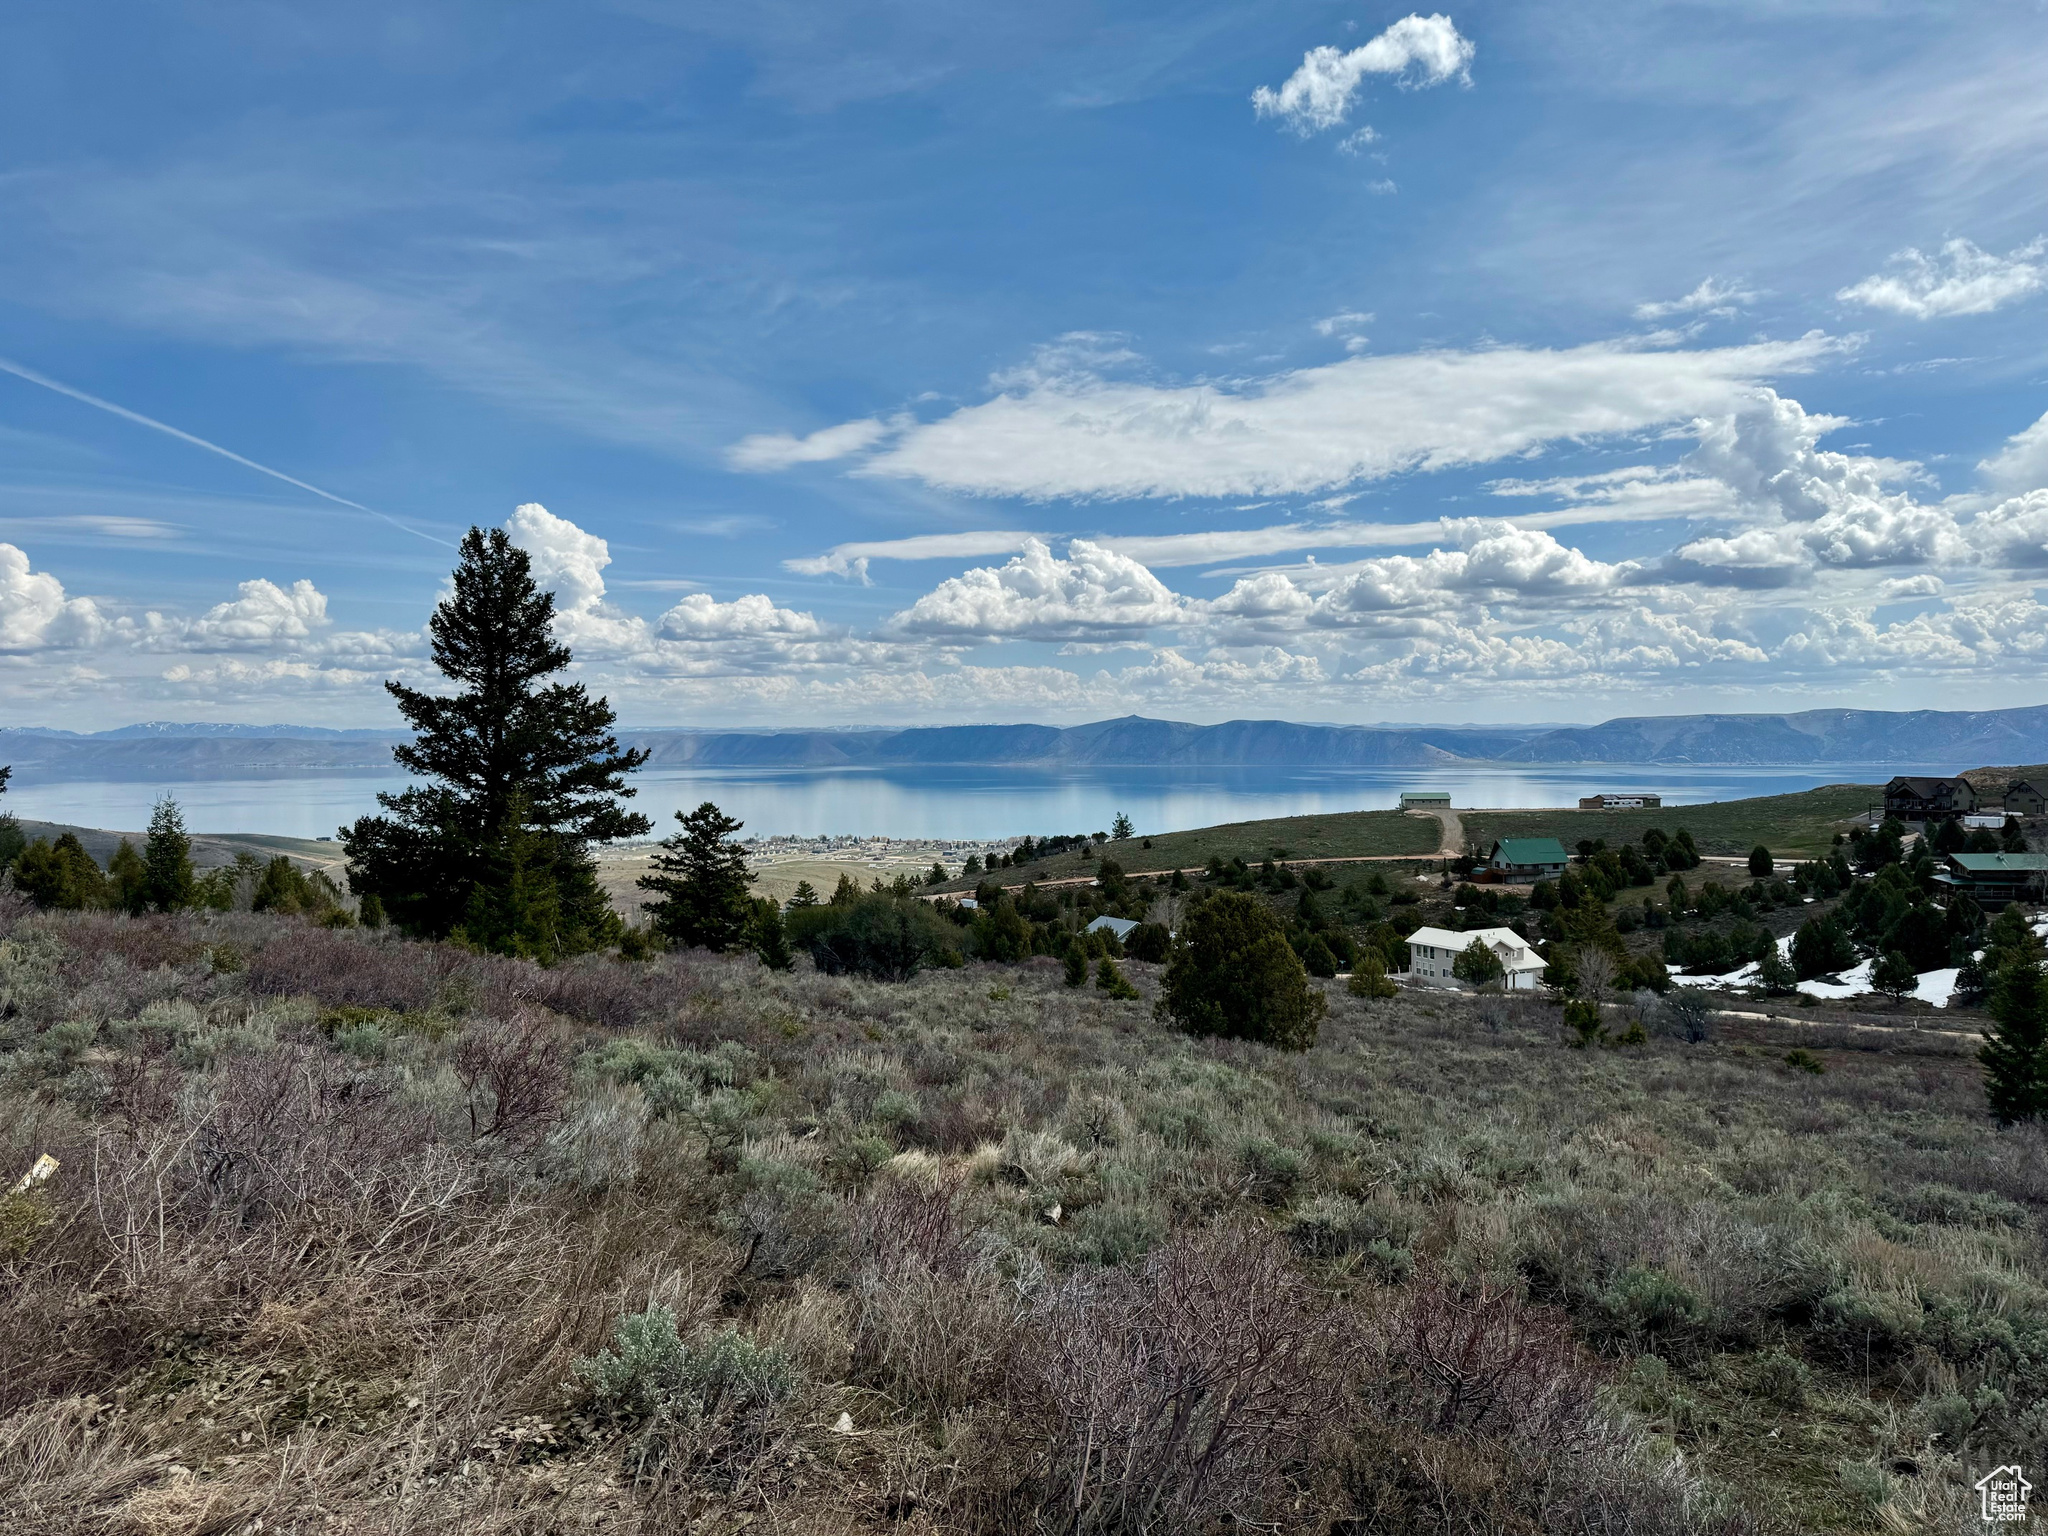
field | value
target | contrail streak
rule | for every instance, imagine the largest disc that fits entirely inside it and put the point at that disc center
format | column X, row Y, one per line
column 8, row 366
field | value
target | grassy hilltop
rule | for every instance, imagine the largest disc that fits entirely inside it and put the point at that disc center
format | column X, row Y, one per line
column 358, row 1234
column 1800, row 825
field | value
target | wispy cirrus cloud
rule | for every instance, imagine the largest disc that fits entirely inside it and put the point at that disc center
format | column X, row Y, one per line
column 1076, row 432
column 852, row 559
column 1719, row 297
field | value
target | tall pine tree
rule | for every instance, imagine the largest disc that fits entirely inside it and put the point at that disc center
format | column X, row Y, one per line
column 523, row 777
column 167, row 860
column 702, row 878
column 2015, row 1052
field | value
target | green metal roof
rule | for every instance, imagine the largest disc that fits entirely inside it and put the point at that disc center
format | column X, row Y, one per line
column 1530, row 850
column 1995, row 863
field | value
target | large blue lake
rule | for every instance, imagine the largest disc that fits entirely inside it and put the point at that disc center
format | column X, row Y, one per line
column 964, row 802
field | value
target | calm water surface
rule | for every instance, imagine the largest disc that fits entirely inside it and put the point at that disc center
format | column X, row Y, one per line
column 964, row 802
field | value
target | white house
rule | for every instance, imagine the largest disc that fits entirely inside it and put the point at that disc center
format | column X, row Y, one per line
column 1433, row 951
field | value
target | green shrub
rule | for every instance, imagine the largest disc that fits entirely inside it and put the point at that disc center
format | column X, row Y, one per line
column 1582, row 1023
column 888, row 938
column 1149, row 942
column 1114, row 982
column 1645, row 1303
column 1234, row 974
column 1369, row 978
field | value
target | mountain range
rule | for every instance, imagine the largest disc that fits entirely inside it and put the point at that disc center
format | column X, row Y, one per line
column 163, row 750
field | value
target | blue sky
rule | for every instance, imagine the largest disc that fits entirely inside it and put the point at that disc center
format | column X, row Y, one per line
column 897, row 362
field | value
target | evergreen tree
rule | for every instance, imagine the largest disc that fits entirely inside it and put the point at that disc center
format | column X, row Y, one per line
column 1774, row 973
column 1478, row 966
column 1893, row 975
column 771, row 938
column 1951, row 838
column 938, row 874
column 702, row 878
column 1369, row 977
column 523, row 777
column 1760, row 862
column 2013, row 838
column 60, row 876
column 11, row 839
column 1120, row 830
column 128, row 879
column 804, row 897
column 1234, row 974
column 846, row 892
column 2015, row 1053
column 1970, row 984
column 167, row 860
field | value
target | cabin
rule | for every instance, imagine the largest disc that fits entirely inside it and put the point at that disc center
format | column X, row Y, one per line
column 1912, row 799
column 1118, row 928
column 1621, row 801
column 1425, row 800
column 1433, row 952
column 2023, row 799
column 1994, row 879
column 1527, row 858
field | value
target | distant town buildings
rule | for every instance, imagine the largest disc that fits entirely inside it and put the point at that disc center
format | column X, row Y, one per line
column 1621, row 801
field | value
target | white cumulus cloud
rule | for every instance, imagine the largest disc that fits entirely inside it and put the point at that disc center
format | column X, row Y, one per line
column 2022, row 464
column 263, row 616
column 35, row 613
column 1960, row 279
column 1092, row 594
column 701, row 617
column 1425, row 50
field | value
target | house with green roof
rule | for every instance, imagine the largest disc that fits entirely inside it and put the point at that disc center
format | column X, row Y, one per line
column 1527, row 858
column 1994, row 879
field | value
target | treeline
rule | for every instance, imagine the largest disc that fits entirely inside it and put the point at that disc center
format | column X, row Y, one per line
column 59, row 875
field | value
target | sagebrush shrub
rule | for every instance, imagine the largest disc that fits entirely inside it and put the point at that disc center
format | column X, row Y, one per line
column 650, row 1372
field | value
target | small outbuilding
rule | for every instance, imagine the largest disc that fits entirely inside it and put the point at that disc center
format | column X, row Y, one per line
column 1528, row 858
column 1621, row 800
column 1433, row 952
column 1118, row 928
column 1425, row 800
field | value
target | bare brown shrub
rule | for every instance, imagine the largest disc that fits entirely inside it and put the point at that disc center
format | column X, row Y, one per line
column 515, row 1076
column 1478, row 1358
column 1170, row 1397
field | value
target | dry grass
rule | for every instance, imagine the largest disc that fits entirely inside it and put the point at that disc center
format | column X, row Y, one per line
column 338, row 1216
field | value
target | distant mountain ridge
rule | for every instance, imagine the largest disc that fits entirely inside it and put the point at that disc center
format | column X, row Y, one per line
column 170, row 751
column 1965, row 737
